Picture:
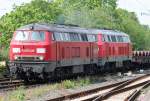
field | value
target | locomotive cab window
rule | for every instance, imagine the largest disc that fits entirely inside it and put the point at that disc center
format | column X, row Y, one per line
column 37, row 36
column 34, row 36
column 21, row 36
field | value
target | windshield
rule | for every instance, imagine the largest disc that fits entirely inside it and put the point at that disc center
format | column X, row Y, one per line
column 22, row 36
column 38, row 36
column 32, row 36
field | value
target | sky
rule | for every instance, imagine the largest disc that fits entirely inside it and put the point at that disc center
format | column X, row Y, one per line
column 7, row 5
column 140, row 7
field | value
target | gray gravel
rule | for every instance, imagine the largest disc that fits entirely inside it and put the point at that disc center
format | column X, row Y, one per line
column 108, row 79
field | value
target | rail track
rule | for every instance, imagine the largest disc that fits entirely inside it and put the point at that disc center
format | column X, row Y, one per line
column 127, row 91
column 8, row 84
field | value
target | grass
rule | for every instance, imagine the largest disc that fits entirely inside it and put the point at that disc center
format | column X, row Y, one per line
column 18, row 95
column 22, row 94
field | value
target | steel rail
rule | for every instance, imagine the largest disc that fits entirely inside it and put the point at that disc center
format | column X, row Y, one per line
column 5, row 85
column 4, row 79
column 88, row 92
column 115, row 92
column 136, row 93
column 10, row 87
column 84, row 93
column 118, row 87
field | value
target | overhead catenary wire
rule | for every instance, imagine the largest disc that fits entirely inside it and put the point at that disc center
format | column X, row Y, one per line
column 147, row 11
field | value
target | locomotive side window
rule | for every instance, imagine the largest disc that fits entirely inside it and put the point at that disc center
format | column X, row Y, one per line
column 113, row 38
column 96, row 38
column 106, row 38
column 109, row 39
column 21, row 35
column 126, row 39
column 84, row 37
column 120, row 38
column 57, row 36
column 103, row 38
column 91, row 38
column 71, row 37
column 65, row 36
column 37, row 36
column 74, row 37
column 53, row 36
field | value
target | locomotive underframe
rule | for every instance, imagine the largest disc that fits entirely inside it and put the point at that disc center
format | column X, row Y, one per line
column 25, row 69
column 34, row 70
column 43, row 70
column 119, row 61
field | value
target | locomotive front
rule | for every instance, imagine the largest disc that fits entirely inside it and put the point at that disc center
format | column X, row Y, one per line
column 29, row 53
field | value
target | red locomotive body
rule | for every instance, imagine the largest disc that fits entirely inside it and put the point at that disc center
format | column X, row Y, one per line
column 45, row 51
column 115, row 49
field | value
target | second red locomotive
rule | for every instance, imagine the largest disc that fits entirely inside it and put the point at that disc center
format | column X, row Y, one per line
column 44, row 51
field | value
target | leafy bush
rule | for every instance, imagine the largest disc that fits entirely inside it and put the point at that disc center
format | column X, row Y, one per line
column 85, row 13
column 83, row 82
column 33, row 12
column 76, row 83
column 4, row 54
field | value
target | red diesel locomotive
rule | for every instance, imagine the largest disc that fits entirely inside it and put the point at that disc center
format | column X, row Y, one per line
column 46, row 51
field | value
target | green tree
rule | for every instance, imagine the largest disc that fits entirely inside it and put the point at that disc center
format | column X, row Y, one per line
column 104, row 14
column 85, row 13
column 36, row 11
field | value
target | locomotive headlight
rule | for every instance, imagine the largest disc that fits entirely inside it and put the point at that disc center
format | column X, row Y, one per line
column 41, row 57
column 15, row 57
column 40, row 50
column 16, row 50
